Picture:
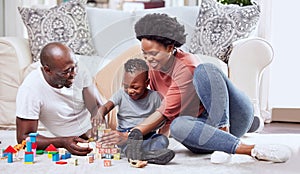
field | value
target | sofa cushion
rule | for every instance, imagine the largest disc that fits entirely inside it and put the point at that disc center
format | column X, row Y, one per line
column 66, row 23
column 219, row 25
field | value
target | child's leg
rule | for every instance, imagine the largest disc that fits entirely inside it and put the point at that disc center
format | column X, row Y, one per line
column 155, row 142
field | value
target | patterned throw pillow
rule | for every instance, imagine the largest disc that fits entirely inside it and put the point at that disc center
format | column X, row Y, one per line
column 66, row 23
column 219, row 25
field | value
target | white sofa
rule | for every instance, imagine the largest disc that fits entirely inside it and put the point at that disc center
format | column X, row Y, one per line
column 113, row 36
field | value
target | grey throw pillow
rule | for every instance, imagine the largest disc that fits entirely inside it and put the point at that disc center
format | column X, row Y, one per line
column 66, row 23
column 219, row 25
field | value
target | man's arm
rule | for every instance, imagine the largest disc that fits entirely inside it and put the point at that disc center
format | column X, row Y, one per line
column 25, row 126
column 91, row 99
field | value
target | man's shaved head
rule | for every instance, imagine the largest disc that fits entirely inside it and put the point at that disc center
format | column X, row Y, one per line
column 53, row 53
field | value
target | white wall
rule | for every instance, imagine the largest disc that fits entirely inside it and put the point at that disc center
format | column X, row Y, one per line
column 285, row 69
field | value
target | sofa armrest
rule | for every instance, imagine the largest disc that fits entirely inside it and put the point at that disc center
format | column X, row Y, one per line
column 21, row 50
column 248, row 59
column 14, row 59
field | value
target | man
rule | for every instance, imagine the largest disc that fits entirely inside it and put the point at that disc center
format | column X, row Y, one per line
column 62, row 96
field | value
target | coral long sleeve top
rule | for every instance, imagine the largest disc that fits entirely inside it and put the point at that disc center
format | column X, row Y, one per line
column 176, row 86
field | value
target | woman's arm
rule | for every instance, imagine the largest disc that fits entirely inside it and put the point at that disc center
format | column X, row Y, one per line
column 151, row 123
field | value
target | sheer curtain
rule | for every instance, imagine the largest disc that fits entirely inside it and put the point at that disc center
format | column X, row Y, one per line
column 12, row 20
column 13, row 25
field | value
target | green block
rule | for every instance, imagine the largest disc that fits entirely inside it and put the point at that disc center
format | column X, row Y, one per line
column 39, row 152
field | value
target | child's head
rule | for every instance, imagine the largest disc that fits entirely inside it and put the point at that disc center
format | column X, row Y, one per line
column 135, row 80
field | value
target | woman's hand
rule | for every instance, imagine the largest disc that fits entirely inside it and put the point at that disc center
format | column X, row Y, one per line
column 70, row 143
column 114, row 138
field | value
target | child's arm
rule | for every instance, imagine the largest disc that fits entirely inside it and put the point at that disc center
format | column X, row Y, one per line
column 102, row 111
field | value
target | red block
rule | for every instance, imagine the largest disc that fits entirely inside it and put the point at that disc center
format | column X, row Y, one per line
column 34, row 145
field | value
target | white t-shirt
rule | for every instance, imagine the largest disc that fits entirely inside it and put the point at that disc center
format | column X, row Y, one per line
column 62, row 111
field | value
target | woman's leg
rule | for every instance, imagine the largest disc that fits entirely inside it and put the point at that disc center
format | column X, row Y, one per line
column 225, row 104
column 200, row 137
column 202, row 134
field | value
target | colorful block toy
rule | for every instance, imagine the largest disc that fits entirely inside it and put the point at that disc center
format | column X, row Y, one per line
column 9, row 151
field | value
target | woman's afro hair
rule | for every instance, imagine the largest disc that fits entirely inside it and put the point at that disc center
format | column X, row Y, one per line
column 161, row 28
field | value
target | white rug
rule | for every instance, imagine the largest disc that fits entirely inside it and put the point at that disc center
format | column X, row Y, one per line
column 184, row 161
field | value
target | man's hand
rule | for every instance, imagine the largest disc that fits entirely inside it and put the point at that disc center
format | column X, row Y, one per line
column 70, row 143
column 114, row 138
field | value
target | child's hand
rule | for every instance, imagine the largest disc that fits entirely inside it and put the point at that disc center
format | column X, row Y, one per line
column 97, row 120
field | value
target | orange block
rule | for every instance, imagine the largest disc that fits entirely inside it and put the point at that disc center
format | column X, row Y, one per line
column 107, row 163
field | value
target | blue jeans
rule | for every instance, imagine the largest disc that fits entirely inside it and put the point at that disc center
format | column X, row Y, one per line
column 224, row 105
column 151, row 141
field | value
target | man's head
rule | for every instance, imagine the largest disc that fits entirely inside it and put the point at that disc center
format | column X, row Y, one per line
column 59, row 65
column 135, row 80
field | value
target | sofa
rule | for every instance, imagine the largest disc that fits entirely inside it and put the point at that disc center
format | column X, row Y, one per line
column 114, row 41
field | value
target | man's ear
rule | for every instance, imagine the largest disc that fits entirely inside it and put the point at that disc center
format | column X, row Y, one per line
column 46, row 69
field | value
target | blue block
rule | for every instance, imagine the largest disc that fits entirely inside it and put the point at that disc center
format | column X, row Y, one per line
column 33, row 137
column 28, row 157
column 5, row 154
column 28, row 146
column 108, row 156
column 68, row 155
column 55, row 157
column 9, row 157
column 63, row 157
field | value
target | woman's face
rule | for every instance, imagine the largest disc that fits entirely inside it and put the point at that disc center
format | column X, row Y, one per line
column 156, row 54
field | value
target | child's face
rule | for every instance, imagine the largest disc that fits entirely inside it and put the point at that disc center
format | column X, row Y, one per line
column 135, row 84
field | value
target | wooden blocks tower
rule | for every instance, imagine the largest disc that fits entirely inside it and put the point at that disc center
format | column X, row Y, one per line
column 31, row 146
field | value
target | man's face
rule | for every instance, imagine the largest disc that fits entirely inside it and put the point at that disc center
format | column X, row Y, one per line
column 64, row 73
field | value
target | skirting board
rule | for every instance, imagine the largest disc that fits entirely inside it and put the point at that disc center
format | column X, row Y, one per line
column 286, row 114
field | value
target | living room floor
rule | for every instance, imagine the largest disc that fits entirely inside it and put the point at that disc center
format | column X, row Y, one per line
column 281, row 128
column 184, row 161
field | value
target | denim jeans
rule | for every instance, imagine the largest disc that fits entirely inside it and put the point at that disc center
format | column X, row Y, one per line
column 224, row 104
column 151, row 141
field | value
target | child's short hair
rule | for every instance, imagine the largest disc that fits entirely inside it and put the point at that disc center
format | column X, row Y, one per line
column 136, row 64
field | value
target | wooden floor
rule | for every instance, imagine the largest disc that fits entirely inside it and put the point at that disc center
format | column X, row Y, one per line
column 281, row 128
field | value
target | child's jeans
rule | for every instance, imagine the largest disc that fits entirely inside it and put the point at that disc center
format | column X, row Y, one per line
column 151, row 141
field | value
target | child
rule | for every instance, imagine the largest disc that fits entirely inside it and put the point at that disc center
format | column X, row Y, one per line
column 136, row 102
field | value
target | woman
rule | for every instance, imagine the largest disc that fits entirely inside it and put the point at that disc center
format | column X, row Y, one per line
column 204, row 110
